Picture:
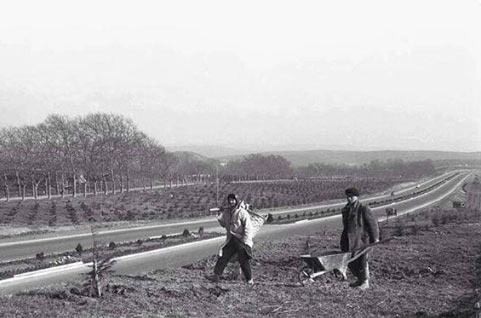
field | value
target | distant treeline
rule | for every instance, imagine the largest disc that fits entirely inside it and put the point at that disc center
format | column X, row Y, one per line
column 260, row 167
column 376, row 168
column 457, row 163
column 108, row 153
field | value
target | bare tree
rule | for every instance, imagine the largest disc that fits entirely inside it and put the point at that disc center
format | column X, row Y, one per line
column 65, row 143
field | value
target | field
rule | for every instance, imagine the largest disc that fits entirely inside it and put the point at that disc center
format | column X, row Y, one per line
column 431, row 269
column 179, row 202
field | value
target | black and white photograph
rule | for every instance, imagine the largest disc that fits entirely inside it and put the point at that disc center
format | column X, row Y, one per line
column 218, row 158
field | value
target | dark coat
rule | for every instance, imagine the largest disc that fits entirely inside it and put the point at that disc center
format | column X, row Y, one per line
column 360, row 227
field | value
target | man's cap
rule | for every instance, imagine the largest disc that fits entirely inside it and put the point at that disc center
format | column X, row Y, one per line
column 350, row 192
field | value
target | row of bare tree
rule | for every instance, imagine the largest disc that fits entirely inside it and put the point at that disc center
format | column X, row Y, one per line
column 96, row 153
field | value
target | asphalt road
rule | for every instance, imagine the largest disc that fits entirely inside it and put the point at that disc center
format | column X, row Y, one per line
column 12, row 249
column 176, row 256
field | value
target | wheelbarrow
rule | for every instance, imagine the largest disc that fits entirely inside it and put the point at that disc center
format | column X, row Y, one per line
column 329, row 261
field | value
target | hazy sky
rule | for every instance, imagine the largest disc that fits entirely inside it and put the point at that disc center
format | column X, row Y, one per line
column 260, row 74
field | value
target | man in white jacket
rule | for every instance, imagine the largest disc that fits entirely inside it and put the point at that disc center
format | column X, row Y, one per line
column 237, row 222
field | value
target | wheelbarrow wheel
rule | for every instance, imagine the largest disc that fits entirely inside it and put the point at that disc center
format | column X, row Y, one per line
column 339, row 275
column 304, row 276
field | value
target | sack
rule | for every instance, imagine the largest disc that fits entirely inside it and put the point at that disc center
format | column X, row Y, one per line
column 257, row 220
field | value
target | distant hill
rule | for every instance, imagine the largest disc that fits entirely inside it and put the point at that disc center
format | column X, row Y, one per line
column 209, row 151
column 302, row 158
column 184, row 156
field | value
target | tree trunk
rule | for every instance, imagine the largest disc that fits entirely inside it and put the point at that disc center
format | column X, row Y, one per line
column 151, row 183
column 7, row 193
column 121, row 183
column 62, row 190
column 74, row 186
column 19, row 185
column 57, row 190
column 105, row 185
column 34, row 188
column 24, row 188
column 113, row 181
column 128, row 180
column 85, row 188
column 37, row 185
column 95, row 187
column 48, row 183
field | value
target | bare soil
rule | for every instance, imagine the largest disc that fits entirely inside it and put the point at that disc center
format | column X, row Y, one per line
column 431, row 269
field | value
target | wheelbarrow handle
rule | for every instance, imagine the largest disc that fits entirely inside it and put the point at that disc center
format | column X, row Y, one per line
column 360, row 251
column 374, row 244
column 366, row 248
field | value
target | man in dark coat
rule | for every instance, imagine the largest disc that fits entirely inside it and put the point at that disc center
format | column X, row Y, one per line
column 360, row 229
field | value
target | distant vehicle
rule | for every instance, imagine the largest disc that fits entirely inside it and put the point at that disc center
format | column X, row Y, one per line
column 391, row 212
column 458, row 204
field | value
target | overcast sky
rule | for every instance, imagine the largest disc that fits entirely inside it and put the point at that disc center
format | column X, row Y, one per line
column 252, row 74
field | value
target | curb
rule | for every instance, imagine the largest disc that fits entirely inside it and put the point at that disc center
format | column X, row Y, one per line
column 41, row 272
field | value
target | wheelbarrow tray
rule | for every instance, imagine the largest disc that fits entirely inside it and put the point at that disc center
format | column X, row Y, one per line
column 327, row 261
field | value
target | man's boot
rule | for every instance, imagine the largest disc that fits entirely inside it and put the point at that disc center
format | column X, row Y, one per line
column 357, row 283
column 361, row 284
column 364, row 285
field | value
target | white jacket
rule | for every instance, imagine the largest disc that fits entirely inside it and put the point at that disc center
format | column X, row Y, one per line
column 237, row 222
